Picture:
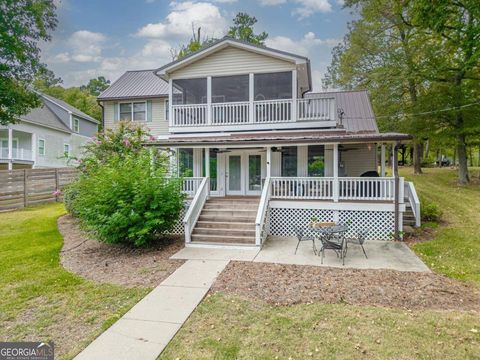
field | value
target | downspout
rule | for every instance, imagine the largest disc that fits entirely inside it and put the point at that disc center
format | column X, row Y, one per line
column 397, row 192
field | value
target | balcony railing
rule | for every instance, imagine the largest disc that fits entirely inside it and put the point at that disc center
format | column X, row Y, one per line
column 17, row 154
column 254, row 113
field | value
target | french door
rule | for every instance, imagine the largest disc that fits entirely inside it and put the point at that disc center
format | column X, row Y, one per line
column 244, row 173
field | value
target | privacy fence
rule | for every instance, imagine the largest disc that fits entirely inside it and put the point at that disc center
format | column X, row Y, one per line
column 21, row 188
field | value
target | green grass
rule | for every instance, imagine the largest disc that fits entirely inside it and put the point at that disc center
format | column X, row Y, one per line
column 227, row 327
column 40, row 300
column 455, row 250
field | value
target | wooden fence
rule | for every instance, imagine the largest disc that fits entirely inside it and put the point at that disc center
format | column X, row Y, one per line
column 21, row 188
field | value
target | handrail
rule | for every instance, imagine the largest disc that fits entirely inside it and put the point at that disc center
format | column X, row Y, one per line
column 190, row 185
column 413, row 199
column 262, row 211
column 195, row 208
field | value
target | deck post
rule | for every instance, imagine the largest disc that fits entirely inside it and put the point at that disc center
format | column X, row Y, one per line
column 382, row 160
column 397, row 193
column 207, row 168
column 171, row 115
column 335, row 173
column 209, row 100
column 294, row 95
column 269, row 161
column 10, row 148
column 251, row 98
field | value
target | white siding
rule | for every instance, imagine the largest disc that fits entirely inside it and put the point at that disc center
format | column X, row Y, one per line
column 231, row 61
column 158, row 125
column 359, row 160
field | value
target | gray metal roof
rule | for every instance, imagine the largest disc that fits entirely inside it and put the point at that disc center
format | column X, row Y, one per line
column 63, row 104
column 136, row 84
column 357, row 110
column 43, row 115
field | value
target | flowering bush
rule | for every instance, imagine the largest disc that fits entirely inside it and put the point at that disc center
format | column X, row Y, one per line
column 123, row 193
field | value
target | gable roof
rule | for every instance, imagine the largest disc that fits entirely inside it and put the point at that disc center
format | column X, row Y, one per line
column 67, row 107
column 135, row 85
column 229, row 41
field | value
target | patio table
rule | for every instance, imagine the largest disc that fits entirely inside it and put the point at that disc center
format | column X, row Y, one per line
column 328, row 233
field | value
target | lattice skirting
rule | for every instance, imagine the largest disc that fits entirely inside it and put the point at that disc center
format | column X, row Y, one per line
column 179, row 228
column 380, row 223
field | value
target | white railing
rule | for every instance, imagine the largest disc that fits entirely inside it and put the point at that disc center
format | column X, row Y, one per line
column 262, row 212
column 190, row 185
column 412, row 197
column 190, row 115
column 17, row 154
column 195, row 209
column 232, row 113
column 316, row 109
column 302, row 188
column 273, row 111
column 366, row 188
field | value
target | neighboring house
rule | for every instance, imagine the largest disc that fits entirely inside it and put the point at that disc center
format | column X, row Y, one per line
column 49, row 136
column 259, row 153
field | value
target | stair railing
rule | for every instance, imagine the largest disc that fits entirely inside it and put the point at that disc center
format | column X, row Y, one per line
column 195, row 208
column 412, row 197
column 260, row 232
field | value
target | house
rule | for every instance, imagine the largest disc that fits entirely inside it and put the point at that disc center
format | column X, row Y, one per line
column 47, row 137
column 258, row 151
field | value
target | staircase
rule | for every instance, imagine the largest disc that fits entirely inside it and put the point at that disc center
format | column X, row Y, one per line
column 408, row 216
column 227, row 220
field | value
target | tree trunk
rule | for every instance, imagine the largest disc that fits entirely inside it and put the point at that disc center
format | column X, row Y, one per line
column 427, row 149
column 417, row 158
column 463, row 177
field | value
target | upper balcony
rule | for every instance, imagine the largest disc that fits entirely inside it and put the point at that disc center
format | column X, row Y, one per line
column 246, row 102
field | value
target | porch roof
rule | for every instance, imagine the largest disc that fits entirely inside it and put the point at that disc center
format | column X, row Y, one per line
column 281, row 137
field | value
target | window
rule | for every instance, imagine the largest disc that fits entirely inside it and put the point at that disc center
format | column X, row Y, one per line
column 133, row 111
column 289, row 161
column 190, row 91
column 316, row 160
column 167, row 109
column 185, row 162
column 76, row 125
column 230, row 88
column 273, row 86
column 41, row 147
column 66, row 150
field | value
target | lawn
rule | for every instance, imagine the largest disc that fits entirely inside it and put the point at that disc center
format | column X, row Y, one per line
column 455, row 250
column 41, row 301
column 227, row 326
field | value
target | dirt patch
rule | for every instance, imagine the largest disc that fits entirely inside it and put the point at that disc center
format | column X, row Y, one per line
column 116, row 264
column 294, row 284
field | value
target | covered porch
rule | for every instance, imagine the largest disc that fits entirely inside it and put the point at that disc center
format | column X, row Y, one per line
column 16, row 149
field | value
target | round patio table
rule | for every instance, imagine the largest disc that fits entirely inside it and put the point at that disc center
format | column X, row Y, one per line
column 329, row 234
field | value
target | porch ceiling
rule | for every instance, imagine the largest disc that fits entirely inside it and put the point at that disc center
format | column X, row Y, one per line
column 281, row 137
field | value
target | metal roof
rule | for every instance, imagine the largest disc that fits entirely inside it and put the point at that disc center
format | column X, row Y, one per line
column 134, row 85
column 43, row 115
column 356, row 107
column 68, row 107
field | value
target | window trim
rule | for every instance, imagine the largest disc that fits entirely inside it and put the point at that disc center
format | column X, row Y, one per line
column 131, row 111
column 76, row 125
column 44, row 147
column 68, row 153
column 166, row 110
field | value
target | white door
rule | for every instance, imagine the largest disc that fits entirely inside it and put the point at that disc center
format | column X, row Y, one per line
column 234, row 175
column 254, row 173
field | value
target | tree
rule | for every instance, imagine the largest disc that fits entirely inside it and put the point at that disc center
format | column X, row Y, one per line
column 242, row 29
column 23, row 23
column 195, row 44
column 453, row 64
column 96, row 86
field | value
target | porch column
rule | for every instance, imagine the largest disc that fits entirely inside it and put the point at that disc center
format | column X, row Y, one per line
column 335, row 173
column 394, row 160
column 382, row 160
column 294, row 95
column 251, row 98
column 170, row 102
column 397, row 225
column 10, row 148
column 269, row 161
column 207, row 168
column 209, row 100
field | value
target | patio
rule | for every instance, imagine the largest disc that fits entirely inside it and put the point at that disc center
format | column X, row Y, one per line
column 381, row 255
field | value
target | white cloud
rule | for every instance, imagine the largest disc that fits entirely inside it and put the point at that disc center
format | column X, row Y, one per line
column 303, row 46
column 309, row 7
column 178, row 24
column 84, row 46
column 272, row 2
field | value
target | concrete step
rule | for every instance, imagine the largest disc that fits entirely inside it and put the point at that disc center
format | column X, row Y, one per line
column 237, row 219
column 216, row 243
column 230, row 213
column 223, row 239
column 232, row 207
column 221, row 200
column 223, row 232
column 226, row 225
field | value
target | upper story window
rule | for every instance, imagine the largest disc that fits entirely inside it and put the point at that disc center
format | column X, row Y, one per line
column 167, row 110
column 273, row 86
column 135, row 111
column 190, row 91
column 230, row 88
column 66, row 150
column 41, row 147
column 76, row 125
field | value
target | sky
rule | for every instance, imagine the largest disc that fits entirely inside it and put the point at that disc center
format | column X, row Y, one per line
column 108, row 37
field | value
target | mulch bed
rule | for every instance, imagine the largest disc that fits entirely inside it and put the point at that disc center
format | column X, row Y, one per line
column 116, row 264
column 293, row 284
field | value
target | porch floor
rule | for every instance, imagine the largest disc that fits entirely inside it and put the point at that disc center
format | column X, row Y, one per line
column 280, row 250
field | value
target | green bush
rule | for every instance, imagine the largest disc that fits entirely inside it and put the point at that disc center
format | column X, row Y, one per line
column 125, row 196
column 430, row 212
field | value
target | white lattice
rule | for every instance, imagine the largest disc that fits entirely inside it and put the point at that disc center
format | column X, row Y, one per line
column 179, row 228
column 283, row 220
column 381, row 224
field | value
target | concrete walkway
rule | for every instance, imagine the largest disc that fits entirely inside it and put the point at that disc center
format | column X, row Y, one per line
column 144, row 331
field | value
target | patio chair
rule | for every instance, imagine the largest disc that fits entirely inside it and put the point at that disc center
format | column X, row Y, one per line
column 339, row 247
column 360, row 239
column 301, row 236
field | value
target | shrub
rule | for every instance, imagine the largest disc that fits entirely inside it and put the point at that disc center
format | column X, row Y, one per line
column 430, row 212
column 125, row 196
